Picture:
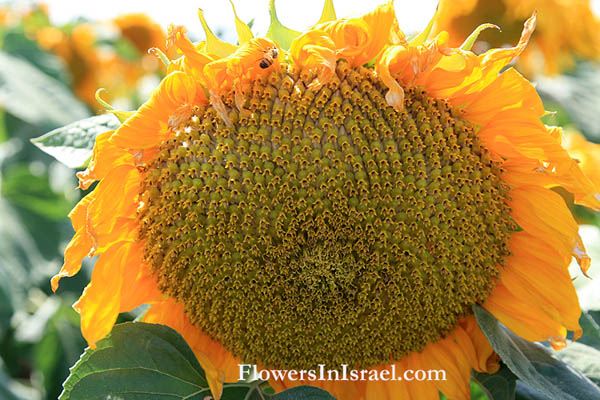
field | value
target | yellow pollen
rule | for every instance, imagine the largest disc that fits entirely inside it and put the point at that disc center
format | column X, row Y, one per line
column 323, row 226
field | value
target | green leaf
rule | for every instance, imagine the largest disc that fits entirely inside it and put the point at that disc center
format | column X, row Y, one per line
column 137, row 361
column 148, row 361
column 533, row 364
column 524, row 392
column 477, row 393
column 498, row 386
column 303, row 393
column 585, row 358
column 72, row 144
column 36, row 98
column 579, row 94
column 590, row 324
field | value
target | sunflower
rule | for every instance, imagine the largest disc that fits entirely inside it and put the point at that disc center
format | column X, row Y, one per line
column 89, row 67
column 142, row 31
column 345, row 201
column 567, row 30
column 93, row 65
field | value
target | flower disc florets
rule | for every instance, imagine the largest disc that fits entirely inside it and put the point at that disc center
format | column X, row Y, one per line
column 322, row 225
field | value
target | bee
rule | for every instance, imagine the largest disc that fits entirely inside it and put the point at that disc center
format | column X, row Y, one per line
column 270, row 55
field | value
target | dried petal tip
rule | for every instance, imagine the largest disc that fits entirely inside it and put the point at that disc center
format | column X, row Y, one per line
column 582, row 258
column 558, row 343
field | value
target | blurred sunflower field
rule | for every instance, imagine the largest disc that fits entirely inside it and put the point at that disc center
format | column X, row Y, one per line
column 352, row 195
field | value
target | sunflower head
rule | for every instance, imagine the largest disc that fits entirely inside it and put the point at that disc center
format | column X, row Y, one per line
column 142, row 31
column 337, row 196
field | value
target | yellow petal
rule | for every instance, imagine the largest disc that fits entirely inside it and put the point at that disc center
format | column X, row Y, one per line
column 105, row 156
column 316, row 51
column 487, row 360
column 148, row 126
column 359, row 40
column 139, row 286
column 523, row 317
column 100, row 302
column 544, row 214
column 80, row 245
column 509, row 90
column 528, row 277
column 448, row 356
column 241, row 67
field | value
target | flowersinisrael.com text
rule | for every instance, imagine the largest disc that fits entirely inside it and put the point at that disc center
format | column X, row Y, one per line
column 344, row 373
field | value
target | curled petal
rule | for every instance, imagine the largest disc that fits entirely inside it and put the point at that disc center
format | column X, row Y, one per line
column 403, row 65
column 242, row 66
column 499, row 58
column 361, row 39
column 316, row 51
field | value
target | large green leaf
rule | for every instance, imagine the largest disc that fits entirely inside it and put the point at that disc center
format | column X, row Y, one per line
column 585, row 358
column 253, row 392
column 148, row 361
column 303, row 393
column 590, row 324
column 72, row 144
column 534, row 364
column 498, row 386
column 137, row 361
column 36, row 98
